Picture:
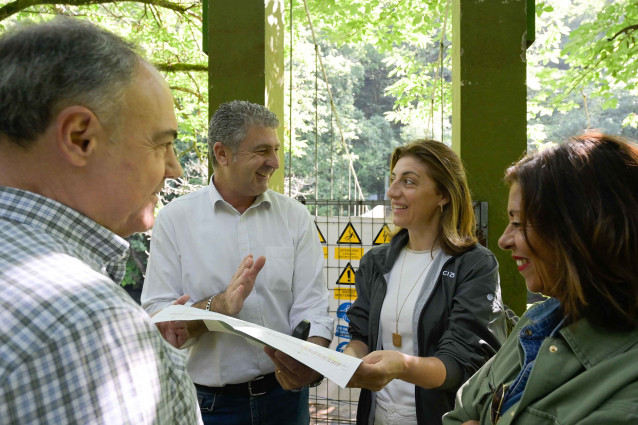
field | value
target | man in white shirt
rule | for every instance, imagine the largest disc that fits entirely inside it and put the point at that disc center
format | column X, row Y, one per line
column 198, row 242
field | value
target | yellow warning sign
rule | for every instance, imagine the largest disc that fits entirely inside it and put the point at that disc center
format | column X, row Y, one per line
column 349, row 235
column 347, row 276
column 321, row 238
column 348, row 253
column 383, row 236
column 345, row 293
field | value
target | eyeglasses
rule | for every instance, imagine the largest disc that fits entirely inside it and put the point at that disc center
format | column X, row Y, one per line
column 498, row 396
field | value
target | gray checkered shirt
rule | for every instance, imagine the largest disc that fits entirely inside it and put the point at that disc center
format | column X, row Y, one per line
column 74, row 347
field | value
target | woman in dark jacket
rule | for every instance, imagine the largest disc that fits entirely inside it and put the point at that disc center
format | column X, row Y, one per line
column 429, row 311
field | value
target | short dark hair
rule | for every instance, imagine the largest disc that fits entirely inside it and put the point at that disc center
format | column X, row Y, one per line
column 581, row 199
column 231, row 122
column 47, row 67
column 457, row 231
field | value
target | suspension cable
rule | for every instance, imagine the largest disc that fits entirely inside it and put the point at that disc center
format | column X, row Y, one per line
column 334, row 109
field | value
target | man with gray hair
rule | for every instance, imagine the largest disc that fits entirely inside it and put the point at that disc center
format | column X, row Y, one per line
column 86, row 135
column 199, row 240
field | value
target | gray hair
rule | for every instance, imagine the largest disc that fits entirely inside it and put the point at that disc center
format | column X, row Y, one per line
column 231, row 122
column 47, row 67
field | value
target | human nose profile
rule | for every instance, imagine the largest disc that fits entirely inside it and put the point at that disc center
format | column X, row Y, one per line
column 173, row 169
column 273, row 160
column 392, row 191
column 505, row 241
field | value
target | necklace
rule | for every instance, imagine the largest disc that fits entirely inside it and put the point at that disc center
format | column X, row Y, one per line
column 396, row 336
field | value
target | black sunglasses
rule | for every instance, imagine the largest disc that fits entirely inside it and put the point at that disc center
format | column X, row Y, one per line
column 498, row 396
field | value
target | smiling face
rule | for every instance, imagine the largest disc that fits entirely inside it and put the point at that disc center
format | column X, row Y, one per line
column 137, row 157
column 528, row 261
column 416, row 201
column 242, row 177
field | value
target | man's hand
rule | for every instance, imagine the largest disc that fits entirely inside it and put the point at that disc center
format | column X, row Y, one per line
column 291, row 374
column 175, row 332
column 231, row 301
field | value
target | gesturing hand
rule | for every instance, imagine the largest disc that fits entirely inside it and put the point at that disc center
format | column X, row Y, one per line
column 231, row 301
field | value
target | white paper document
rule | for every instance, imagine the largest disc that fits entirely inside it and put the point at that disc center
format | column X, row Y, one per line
column 336, row 366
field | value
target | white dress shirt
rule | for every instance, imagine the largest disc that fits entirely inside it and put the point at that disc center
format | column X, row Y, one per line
column 197, row 244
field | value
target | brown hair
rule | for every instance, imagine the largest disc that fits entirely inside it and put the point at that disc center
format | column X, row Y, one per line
column 457, row 232
column 581, row 198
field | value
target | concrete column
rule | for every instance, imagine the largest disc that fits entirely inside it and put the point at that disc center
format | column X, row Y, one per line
column 245, row 43
column 489, row 111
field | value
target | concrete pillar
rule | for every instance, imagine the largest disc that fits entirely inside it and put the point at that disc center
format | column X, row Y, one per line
column 245, row 43
column 489, row 111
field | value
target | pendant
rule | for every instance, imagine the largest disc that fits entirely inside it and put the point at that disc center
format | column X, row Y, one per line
column 396, row 339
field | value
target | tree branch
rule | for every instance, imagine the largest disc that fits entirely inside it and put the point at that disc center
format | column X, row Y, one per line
column 630, row 28
column 189, row 91
column 19, row 5
column 181, row 67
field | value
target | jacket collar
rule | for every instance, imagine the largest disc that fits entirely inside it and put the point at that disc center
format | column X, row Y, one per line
column 584, row 339
column 385, row 258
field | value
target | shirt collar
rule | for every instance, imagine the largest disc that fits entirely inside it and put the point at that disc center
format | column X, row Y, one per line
column 99, row 247
column 593, row 344
column 546, row 317
column 216, row 198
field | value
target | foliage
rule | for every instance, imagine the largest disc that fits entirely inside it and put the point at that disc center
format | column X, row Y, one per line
column 582, row 71
column 167, row 33
column 388, row 66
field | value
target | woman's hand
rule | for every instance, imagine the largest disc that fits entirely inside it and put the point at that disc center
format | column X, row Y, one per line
column 377, row 369
column 380, row 367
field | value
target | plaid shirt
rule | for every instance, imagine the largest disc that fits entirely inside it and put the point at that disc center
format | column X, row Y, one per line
column 74, row 347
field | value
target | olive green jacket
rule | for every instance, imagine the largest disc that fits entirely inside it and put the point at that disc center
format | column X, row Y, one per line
column 584, row 375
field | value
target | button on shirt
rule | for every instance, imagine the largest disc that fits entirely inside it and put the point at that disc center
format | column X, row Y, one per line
column 197, row 244
column 74, row 347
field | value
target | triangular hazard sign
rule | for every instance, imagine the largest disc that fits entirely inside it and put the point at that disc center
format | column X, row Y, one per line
column 347, row 276
column 321, row 238
column 383, row 236
column 349, row 235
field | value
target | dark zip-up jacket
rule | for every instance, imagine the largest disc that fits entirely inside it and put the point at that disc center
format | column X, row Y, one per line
column 460, row 320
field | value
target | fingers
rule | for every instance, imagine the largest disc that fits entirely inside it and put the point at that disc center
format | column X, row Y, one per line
column 257, row 266
column 291, row 374
column 369, row 376
column 246, row 263
column 182, row 300
column 175, row 333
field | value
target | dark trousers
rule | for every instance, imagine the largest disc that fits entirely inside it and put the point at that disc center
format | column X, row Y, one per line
column 276, row 407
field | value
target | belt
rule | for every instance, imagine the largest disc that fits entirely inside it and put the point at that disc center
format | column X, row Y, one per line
column 258, row 386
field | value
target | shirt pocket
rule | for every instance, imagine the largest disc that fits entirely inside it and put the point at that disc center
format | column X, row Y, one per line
column 280, row 264
column 530, row 415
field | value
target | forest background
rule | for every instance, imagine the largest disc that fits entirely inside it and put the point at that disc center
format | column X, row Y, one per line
column 388, row 66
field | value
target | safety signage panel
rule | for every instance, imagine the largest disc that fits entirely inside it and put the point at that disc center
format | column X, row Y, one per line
column 321, row 238
column 348, row 253
column 383, row 236
column 349, row 236
column 347, row 275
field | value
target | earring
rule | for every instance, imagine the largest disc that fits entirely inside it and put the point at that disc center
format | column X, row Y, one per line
column 441, row 208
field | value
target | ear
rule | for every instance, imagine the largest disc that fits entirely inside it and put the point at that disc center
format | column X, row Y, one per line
column 222, row 154
column 78, row 132
column 445, row 199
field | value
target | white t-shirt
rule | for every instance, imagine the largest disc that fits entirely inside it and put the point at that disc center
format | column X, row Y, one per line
column 407, row 278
